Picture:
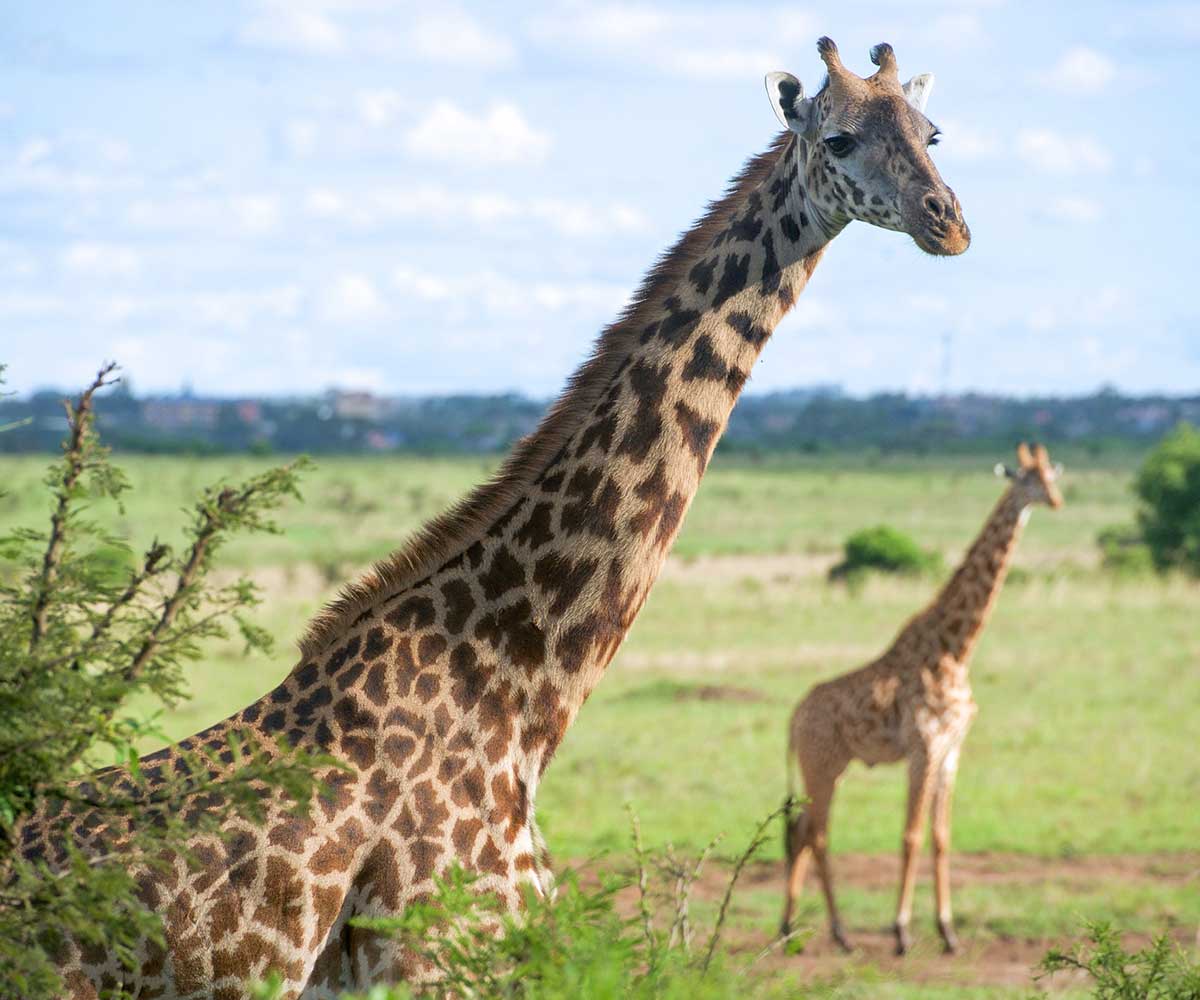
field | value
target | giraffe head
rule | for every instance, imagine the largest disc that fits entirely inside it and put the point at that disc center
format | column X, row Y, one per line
column 1034, row 479
column 865, row 151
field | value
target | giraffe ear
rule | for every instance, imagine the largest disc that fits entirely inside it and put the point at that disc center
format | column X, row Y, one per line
column 918, row 89
column 788, row 102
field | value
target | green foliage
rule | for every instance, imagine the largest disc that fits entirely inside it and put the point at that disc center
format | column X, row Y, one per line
column 885, row 549
column 86, row 624
column 575, row 943
column 1168, row 486
column 1122, row 551
column 1162, row 971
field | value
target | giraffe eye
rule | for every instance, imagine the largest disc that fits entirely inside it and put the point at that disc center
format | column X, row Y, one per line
column 841, row 145
column 935, row 138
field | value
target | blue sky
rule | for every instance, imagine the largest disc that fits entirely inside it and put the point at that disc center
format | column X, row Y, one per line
column 275, row 197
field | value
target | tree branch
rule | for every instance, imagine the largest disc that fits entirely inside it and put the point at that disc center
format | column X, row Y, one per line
column 79, row 417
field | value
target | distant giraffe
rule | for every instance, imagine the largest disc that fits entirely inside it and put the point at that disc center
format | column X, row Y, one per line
column 447, row 677
column 913, row 703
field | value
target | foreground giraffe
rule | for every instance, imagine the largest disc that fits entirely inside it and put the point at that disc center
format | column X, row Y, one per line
column 913, row 703
column 447, row 677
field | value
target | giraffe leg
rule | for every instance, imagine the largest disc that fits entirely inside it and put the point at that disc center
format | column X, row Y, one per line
column 820, row 791
column 920, row 775
column 943, row 793
column 795, row 867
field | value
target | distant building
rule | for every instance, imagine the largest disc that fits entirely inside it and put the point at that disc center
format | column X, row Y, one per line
column 181, row 413
column 357, row 404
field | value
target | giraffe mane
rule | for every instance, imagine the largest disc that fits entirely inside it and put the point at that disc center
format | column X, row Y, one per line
column 450, row 532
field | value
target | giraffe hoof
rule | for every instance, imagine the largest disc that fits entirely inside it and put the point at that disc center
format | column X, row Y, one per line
column 903, row 939
column 840, row 940
column 949, row 939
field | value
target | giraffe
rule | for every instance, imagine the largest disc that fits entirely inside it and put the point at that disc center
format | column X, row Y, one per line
column 913, row 703
column 447, row 676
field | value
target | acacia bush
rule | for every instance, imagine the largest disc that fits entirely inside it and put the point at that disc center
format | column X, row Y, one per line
column 1168, row 486
column 1122, row 551
column 884, row 549
column 1161, row 971
column 1166, row 533
column 85, row 624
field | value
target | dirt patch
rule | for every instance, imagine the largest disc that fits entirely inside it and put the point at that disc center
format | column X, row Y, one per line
column 876, row 871
column 985, row 960
column 718, row 692
column 777, row 567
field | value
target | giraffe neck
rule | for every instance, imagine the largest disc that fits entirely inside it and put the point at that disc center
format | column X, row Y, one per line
column 965, row 603
column 503, row 614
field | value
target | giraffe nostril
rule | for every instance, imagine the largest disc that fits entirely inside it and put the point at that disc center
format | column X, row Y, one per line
column 936, row 206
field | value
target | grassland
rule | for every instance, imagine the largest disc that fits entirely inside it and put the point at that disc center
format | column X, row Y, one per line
column 1079, row 791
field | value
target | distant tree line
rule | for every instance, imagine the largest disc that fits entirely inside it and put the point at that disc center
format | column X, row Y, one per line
column 803, row 420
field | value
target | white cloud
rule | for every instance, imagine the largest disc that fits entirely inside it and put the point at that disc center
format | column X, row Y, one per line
column 953, row 30
column 1107, row 306
column 350, row 298
column 610, row 24
column 74, row 163
column 358, row 376
column 27, row 306
column 1083, row 71
column 16, row 261
column 301, row 135
column 1074, row 208
column 324, row 203
column 291, row 26
column 335, row 28
column 453, row 36
column 249, row 215
column 380, row 107
column 240, row 310
column 372, row 209
column 103, row 260
column 722, row 63
column 33, row 151
column 813, row 312
column 678, row 41
column 421, row 285
column 929, row 304
column 963, row 141
column 256, row 214
column 500, row 295
column 577, row 218
column 501, row 135
column 1062, row 153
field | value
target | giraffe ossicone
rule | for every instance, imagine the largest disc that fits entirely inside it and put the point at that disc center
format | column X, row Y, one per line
column 445, row 679
column 913, row 703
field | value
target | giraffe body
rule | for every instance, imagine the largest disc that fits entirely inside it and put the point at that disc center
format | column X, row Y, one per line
column 914, row 704
column 447, row 677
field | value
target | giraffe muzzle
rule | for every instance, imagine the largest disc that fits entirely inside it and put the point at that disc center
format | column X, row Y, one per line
column 940, row 229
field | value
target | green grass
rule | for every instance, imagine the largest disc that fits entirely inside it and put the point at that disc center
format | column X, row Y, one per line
column 1087, row 684
column 1077, row 747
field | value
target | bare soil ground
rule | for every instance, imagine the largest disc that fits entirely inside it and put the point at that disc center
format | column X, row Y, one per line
column 985, row 959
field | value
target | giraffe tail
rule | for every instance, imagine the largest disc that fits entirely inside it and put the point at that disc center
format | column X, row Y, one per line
column 793, row 814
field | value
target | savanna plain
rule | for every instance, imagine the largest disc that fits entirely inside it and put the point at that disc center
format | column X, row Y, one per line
column 1079, row 789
